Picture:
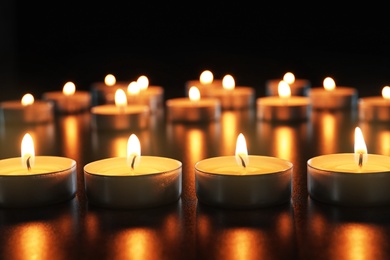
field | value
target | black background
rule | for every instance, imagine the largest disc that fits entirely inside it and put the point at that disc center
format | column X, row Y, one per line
column 46, row 45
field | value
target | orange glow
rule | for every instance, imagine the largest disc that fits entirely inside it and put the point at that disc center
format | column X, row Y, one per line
column 329, row 134
column 110, row 80
column 133, row 89
column 120, row 98
column 386, row 92
column 69, row 89
column 360, row 147
column 228, row 82
column 27, row 99
column 194, row 93
column 284, row 90
column 284, row 138
column 71, row 136
column 206, row 77
column 28, row 151
column 241, row 153
column 329, row 83
column 248, row 244
column 289, row 78
column 143, row 82
column 133, row 151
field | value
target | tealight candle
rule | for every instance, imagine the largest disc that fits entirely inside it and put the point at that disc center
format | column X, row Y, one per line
column 375, row 108
column 299, row 87
column 242, row 181
column 33, row 181
column 194, row 108
column 136, row 97
column 120, row 116
column 284, row 107
column 151, row 92
column 104, row 92
column 27, row 110
column 69, row 100
column 134, row 181
column 350, row 179
column 331, row 97
column 205, row 83
column 232, row 97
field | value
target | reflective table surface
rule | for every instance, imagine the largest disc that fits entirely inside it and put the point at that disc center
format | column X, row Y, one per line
column 187, row 229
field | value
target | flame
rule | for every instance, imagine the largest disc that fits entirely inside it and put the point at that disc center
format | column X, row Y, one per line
column 329, row 83
column 241, row 151
column 28, row 152
column 27, row 99
column 133, row 88
column 284, row 90
column 289, row 78
column 120, row 98
column 143, row 82
column 110, row 80
column 206, row 77
column 360, row 147
column 386, row 92
column 133, row 151
column 69, row 88
column 194, row 93
column 228, row 82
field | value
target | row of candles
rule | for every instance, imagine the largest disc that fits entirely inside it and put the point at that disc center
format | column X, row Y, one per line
column 239, row 181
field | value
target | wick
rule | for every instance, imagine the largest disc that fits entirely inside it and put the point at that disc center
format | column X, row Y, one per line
column 360, row 160
column 28, row 163
column 133, row 162
column 242, row 161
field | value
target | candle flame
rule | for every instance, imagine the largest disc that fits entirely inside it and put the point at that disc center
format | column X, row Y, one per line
column 133, row 151
column 360, row 148
column 143, row 82
column 27, row 99
column 194, row 93
column 386, row 92
column 284, row 90
column 206, row 77
column 28, row 152
column 228, row 82
column 69, row 88
column 241, row 151
column 109, row 80
column 133, row 89
column 329, row 83
column 120, row 98
column 289, row 78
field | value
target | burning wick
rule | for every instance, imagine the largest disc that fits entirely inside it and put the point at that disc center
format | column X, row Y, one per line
column 360, row 159
column 28, row 163
column 242, row 161
column 133, row 162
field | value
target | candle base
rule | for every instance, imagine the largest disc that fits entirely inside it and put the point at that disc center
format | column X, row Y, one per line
column 276, row 109
column 374, row 109
column 299, row 88
column 134, row 191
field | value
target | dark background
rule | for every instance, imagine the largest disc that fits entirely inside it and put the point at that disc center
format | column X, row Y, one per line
column 45, row 45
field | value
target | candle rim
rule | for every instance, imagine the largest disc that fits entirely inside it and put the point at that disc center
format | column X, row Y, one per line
column 322, row 169
column 239, row 175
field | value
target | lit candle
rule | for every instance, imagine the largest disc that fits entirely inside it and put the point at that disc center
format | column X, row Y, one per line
column 243, row 181
column 133, row 181
column 331, row 97
column 205, row 83
column 152, row 92
column 232, row 96
column 354, row 179
column 375, row 108
column 136, row 97
column 69, row 100
column 104, row 92
column 283, row 107
column 299, row 87
column 194, row 108
column 27, row 110
column 120, row 116
column 30, row 181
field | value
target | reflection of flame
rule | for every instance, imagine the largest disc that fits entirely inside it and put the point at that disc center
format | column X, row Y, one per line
column 329, row 83
column 384, row 142
column 242, row 243
column 206, row 77
column 284, row 142
column 71, row 136
column 229, row 126
column 195, row 139
column 328, row 133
